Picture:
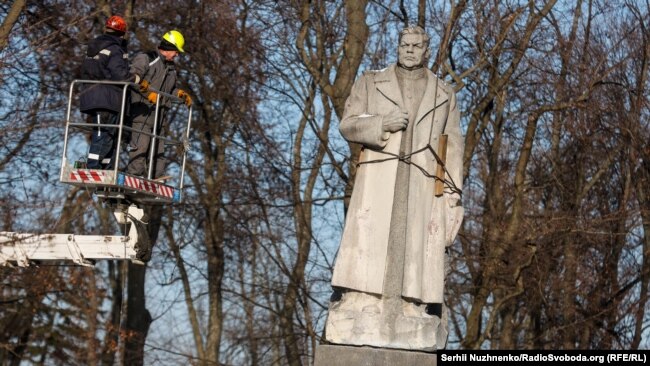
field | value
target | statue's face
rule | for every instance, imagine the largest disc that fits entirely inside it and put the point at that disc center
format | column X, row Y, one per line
column 413, row 51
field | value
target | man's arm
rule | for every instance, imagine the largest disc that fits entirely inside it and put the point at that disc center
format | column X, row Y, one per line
column 140, row 65
column 357, row 125
column 455, row 149
column 454, row 165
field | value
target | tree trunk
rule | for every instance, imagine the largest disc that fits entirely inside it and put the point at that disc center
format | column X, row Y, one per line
column 113, row 322
column 10, row 20
column 138, row 318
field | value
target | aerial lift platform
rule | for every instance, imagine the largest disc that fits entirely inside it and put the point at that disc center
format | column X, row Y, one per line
column 125, row 194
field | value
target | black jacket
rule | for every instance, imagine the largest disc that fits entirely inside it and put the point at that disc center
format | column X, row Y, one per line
column 106, row 59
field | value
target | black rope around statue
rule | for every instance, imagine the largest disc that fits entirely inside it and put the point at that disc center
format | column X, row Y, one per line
column 406, row 158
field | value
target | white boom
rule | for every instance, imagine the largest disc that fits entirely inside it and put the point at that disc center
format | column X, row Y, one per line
column 22, row 248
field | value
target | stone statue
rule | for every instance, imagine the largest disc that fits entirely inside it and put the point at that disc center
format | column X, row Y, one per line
column 390, row 269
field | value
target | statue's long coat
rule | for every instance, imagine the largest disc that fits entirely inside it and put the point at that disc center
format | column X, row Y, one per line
column 432, row 222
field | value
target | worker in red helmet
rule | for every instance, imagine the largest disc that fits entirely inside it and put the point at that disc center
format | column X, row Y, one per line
column 106, row 59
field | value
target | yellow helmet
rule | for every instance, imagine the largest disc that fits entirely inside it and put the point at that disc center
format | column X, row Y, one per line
column 176, row 38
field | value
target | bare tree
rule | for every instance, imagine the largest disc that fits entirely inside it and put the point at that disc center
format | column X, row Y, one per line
column 554, row 249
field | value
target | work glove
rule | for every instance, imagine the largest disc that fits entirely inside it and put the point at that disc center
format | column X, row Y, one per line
column 153, row 97
column 144, row 86
column 183, row 95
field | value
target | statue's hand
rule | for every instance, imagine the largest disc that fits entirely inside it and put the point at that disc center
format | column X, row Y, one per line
column 455, row 214
column 395, row 121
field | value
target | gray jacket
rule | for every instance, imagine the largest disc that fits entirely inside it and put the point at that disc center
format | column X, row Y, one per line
column 161, row 75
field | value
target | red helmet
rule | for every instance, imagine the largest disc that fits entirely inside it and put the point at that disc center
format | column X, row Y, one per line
column 116, row 23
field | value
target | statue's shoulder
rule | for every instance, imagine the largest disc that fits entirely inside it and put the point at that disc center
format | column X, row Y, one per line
column 374, row 72
column 371, row 74
column 444, row 85
column 378, row 76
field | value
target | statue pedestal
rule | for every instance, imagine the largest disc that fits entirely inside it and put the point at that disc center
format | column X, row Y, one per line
column 327, row 355
column 361, row 319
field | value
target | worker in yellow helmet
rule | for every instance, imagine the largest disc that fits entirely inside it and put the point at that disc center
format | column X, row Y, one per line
column 157, row 71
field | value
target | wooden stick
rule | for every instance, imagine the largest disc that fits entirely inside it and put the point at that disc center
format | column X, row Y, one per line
column 439, row 185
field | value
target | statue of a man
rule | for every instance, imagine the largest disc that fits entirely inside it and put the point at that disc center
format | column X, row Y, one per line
column 391, row 263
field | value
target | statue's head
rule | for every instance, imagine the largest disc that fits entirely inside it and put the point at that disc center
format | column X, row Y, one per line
column 413, row 51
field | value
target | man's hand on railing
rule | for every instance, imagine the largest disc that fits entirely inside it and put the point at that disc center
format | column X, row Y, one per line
column 183, row 95
column 144, row 86
column 153, row 97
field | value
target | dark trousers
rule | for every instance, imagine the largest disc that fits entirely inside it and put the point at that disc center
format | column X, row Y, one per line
column 102, row 146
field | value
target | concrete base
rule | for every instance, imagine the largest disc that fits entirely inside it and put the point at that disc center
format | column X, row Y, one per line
column 360, row 319
column 328, row 355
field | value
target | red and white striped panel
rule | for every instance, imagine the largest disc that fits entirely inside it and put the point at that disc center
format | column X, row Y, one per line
column 148, row 186
column 90, row 176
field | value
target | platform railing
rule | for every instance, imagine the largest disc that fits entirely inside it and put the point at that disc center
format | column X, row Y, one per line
column 156, row 137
